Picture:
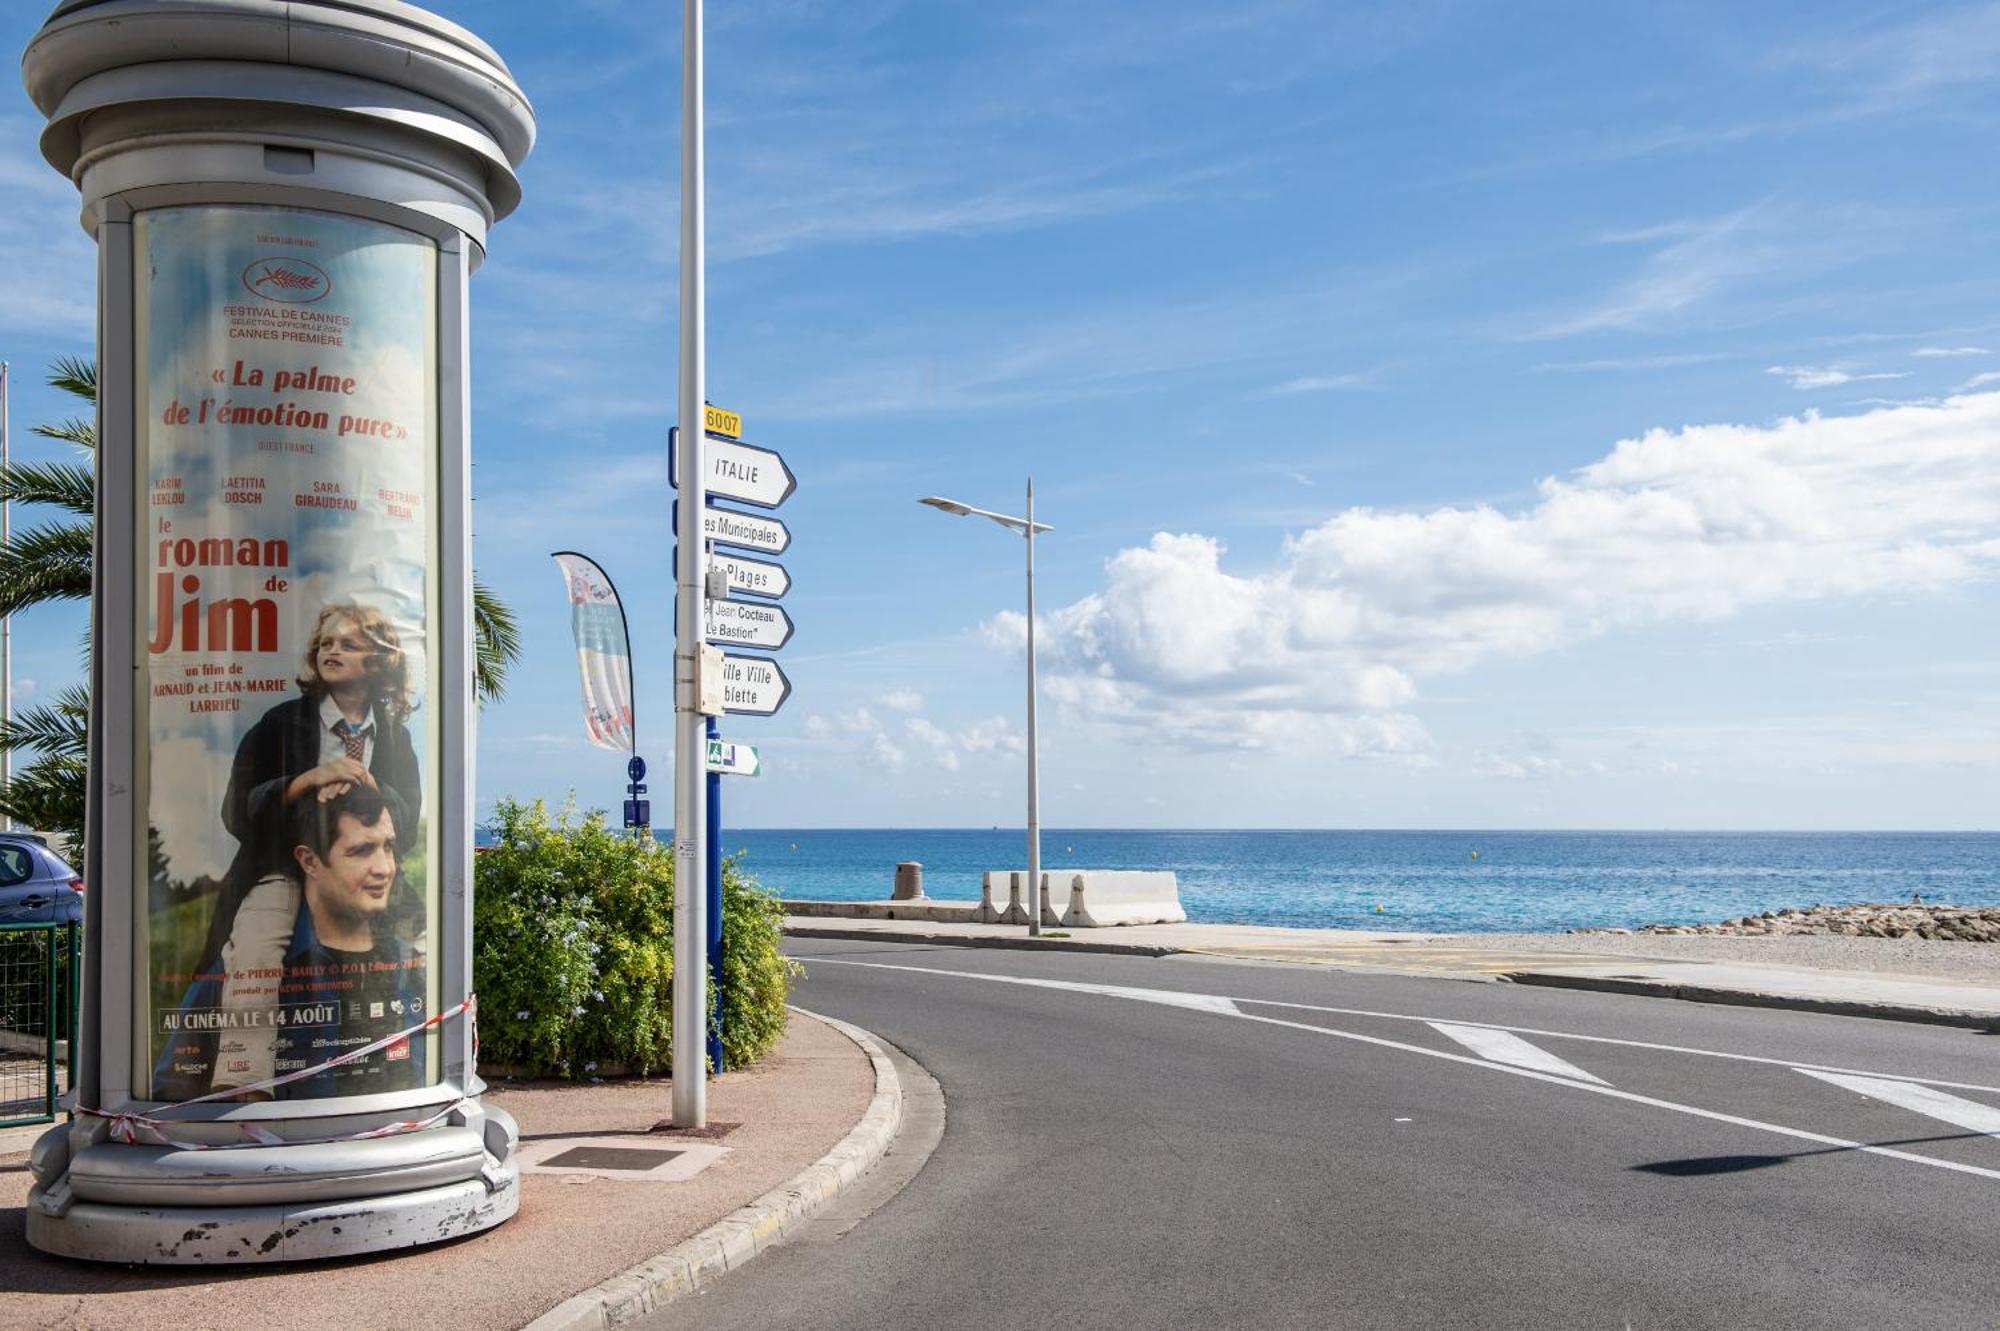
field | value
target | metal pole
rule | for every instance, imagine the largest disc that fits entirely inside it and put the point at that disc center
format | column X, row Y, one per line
column 690, row 740
column 713, row 880
column 1034, row 788
column 6, row 621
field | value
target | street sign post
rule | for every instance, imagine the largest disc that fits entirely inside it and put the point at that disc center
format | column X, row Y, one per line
column 753, row 686
column 747, row 624
column 743, row 472
column 750, row 531
column 638, row 812
column 755, row 576
column 726, row 759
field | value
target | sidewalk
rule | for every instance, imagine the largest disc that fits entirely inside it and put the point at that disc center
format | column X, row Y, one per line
column 1734, row 970
column 574, row 1230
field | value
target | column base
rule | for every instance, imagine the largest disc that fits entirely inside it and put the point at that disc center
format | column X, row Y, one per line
column 218, row 1235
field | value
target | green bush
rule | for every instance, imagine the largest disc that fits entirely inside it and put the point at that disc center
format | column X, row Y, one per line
column 573, row 950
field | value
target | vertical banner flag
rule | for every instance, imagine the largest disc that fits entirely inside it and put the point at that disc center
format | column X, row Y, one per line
column 603, row 651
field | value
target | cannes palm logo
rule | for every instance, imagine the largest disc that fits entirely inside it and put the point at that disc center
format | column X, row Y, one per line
column 287, row 281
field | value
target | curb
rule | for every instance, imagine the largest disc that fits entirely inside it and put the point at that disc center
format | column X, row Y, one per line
column 749, row 1230
column 1022, row 943
column 1696, row 993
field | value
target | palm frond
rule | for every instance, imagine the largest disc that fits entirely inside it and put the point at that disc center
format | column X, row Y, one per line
column 50, row 563
column 59, row 726
column 75, row 430
column 49, row 796
column 496, row 642
column 49, row 793
column 63, row 484
column 76, row 375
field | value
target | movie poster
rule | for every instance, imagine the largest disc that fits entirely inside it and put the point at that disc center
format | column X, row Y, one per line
column 287, row 405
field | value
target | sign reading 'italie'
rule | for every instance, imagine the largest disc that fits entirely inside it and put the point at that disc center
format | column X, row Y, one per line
column 738, row 471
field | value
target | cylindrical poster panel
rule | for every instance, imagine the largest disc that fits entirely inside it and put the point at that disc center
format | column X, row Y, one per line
column 286, row 408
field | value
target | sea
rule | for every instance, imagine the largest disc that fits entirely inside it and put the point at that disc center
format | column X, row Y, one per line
column 1456, row 881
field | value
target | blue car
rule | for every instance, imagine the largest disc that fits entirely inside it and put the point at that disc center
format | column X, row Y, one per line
column 35, row 885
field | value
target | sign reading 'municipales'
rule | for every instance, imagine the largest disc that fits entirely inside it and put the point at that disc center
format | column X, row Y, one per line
column 286, row 409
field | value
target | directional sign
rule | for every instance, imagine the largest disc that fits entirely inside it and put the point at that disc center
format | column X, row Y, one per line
column 743, row 472
column 753, row 575
column 726, row 759
column 753, row 686
column 752, row 531
column 747, row 624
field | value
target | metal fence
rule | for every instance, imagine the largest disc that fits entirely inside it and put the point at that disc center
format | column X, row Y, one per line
column 40, row 971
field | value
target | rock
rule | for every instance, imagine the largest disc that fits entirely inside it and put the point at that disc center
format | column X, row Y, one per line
column 1871, row 919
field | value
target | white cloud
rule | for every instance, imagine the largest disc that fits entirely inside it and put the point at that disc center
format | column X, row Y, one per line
column 1663, row 361
column 1698, row 260
column 1807, row 376
column 1734, row 268
column 950, row 748
column 883, row 752
column 1316, row 383
column 1328, row 648
column 1980, row 381
column 860, row 735
column 1519, row 766
column 902, row 700
column 1941, row 353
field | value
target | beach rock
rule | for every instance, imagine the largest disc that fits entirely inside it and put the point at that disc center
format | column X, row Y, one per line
column 1896, row 920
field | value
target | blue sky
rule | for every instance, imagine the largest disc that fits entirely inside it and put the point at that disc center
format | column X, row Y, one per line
column 1451, row 414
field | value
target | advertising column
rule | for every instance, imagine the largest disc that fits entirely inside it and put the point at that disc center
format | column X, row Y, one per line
column 277, row 1057
column 286, row 400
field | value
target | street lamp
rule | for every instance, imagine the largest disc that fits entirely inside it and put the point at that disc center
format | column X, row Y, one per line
column 1027, row 527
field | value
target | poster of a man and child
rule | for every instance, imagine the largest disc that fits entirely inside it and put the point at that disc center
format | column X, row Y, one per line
column 288, row 753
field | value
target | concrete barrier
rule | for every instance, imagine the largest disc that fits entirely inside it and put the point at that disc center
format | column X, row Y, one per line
column 992, row 886
column 1085, row 898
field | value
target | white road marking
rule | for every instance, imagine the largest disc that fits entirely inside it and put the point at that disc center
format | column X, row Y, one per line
column 1789, row 1063
column 1611, row 1092
column 1506, row 1047
column 1932, row 1103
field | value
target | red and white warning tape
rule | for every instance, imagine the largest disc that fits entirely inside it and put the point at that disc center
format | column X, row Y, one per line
column 127, row 1125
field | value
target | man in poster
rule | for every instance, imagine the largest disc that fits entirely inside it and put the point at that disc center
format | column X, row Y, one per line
column 346, row 979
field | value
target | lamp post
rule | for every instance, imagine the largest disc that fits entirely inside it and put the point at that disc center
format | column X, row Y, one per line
column 1027, row 527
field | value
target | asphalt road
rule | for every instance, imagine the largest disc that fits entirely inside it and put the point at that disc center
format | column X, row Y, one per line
column 1196, row 1154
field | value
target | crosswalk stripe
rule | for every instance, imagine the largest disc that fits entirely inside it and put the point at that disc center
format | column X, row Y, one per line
column 1506, row 1047
column 1924, row 1100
